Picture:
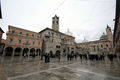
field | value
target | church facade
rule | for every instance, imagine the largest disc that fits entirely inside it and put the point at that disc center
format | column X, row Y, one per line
column 55, row 41
column 102, row 46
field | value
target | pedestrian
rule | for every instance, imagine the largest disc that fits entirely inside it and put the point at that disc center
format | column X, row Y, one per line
column 33, row 55
column 24, row 55
column 68, row 56
column 48, row 57
column 110, row 56
column 45, row 56
column 75, row 56
column 80, row 56
column 85, row 56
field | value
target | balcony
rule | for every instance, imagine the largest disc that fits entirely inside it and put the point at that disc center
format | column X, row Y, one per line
column 15, row 34
column 26, row 43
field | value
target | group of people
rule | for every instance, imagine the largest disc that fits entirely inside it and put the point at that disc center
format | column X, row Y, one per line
column 74, row 56
column 47, row 57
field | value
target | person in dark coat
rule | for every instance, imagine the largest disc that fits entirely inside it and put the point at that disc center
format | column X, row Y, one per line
column 110, row 56
column 48, row 57
column 45, row 56
column 80, row 56
column 68, row 56
column 33, row 55
column 75, row 56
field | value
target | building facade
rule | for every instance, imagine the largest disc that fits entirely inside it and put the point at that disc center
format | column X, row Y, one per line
column 55, row 41
column 20, row 41
column 102, row 46
column 116, row 36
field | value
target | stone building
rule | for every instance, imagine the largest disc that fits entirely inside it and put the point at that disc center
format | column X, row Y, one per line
column 116, row 36
column 103, row 45
column 20, row 41
column 55, row 41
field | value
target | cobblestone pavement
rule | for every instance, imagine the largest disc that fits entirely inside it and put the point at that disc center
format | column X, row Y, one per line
column 36, row 69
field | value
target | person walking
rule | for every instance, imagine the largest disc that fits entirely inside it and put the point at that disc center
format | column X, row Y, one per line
column 75, row 56
column 45, row 56
column 48, row 57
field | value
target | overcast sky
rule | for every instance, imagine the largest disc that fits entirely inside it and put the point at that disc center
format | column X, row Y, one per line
column 84, row 18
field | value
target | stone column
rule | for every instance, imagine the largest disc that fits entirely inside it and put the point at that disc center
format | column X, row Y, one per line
column 12, row 57
column 13, row 52
column 21, row 54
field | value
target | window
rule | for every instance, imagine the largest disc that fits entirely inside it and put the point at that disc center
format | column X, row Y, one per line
column 57, row 46
column 101, row 45
column 33, row 35
column 33, row 42
column 39, row 44
column 27, row 34
column 52, row 34
column 19, row 41
column 11, row 40
column 13, row 31
column 27, row 42
column 21, row 33
column 72, row 48
column 37, row 36
column 57, row 22
column 48, row 33
column 106, row 45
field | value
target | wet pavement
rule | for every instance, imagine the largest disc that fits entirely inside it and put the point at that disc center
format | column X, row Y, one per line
column 35, row 69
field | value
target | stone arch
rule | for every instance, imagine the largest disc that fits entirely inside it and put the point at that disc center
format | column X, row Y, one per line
column 51, row 54
column 38, row 52
column 17, row 51
column 57, row 53
column 32, row 51
column 25, row 51
column 9, row 51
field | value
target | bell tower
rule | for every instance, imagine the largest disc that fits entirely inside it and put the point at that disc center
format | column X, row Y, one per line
column 109, row 34
column 55, row 23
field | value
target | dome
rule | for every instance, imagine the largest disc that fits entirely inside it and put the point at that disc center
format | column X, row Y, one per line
column 104, row 36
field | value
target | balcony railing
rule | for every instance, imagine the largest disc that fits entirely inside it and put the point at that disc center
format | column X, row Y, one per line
column 15, row 34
